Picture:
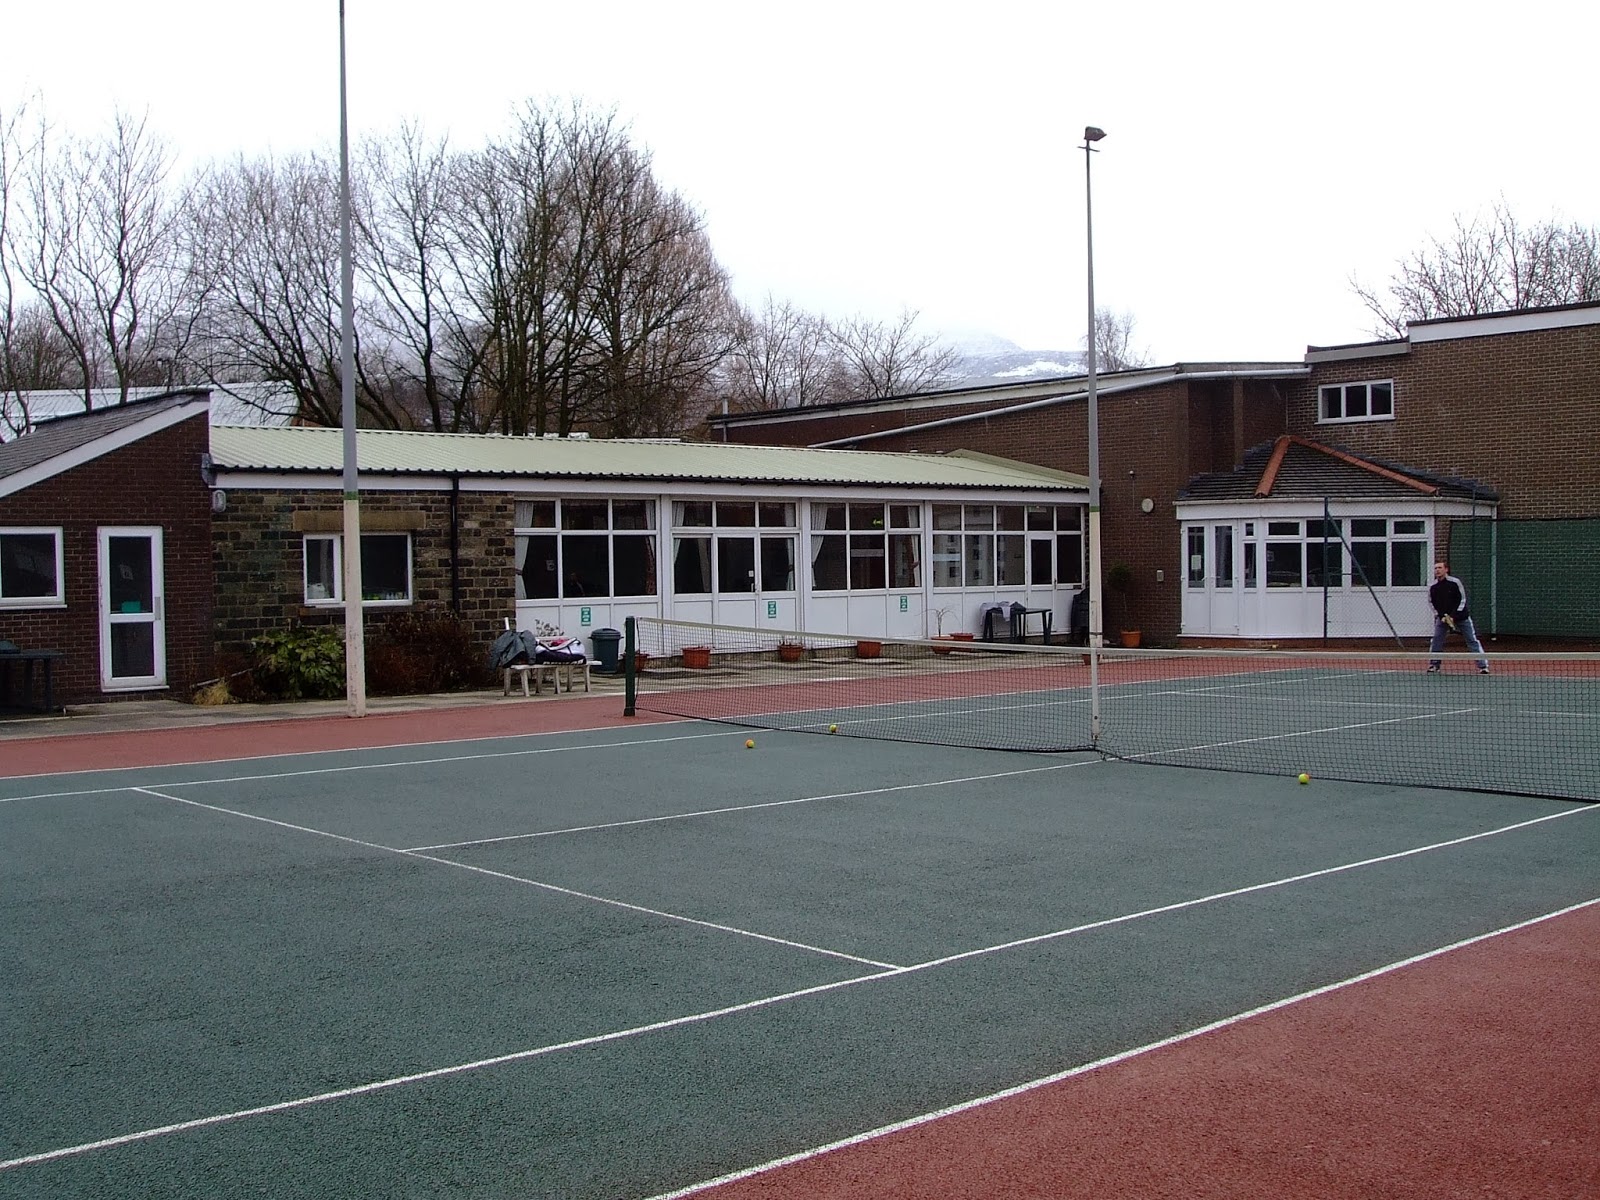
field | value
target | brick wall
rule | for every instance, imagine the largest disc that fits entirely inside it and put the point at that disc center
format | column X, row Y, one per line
column 259, row 559
column 1520, row 412
column 153, row 481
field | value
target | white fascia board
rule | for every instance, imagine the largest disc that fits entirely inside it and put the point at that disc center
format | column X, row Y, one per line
column 1300, row 510
column 1511, row 322
column 89, row 451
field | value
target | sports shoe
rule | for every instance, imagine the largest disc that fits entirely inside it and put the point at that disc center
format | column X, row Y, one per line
column 1433, row 668
column 1483, row 670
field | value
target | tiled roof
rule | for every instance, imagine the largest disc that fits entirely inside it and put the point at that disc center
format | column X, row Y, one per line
column 1293, row 468
column 389, row 452
column 51, row 439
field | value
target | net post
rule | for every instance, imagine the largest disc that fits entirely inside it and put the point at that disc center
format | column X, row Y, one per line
column 630, row 683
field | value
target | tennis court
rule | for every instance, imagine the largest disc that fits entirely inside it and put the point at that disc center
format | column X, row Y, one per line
column 630, row 961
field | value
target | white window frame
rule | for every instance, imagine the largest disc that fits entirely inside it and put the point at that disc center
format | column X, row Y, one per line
column 1343, row 392
column 59, row 599
column 337, row 541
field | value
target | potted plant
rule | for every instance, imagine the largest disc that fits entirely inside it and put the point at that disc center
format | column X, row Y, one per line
column 790, row 650
column 1119, row 584
column 697, row 658
column 868, row 648
column 641, row 660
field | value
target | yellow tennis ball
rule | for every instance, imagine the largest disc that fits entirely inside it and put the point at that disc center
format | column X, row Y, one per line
column 833, row 729
column 1304, row 778
column 750, row 744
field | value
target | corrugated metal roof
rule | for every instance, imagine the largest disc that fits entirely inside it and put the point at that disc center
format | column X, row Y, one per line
column 386, row 452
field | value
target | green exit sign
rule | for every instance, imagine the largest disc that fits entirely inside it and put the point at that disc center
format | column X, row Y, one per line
column 584, row 615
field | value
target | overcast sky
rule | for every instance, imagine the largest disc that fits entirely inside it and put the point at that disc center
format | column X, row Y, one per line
column 870, row 156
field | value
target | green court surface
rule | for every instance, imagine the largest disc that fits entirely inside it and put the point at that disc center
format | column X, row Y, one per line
column 616, row 963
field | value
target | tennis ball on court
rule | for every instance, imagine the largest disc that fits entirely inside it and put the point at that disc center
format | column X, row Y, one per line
column 1304, row 778
column 833, row 729
column 749, row 743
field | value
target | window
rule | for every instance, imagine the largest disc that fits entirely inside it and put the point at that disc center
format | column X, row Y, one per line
column 385, row 568
column 582, row 548
column 1356, row 402
column 1324, row 555
column 1223, row 563
column 1285, row 558
column 1195, row 556
column 30, row 568
column 986, row 545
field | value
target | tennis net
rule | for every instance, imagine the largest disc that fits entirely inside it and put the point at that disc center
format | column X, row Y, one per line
column 1529, row 727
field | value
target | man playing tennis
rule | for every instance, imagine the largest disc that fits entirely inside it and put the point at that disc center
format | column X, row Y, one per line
column 1448, row 595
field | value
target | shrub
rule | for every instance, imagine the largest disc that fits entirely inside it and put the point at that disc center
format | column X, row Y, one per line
column 300, row 663
column 423, row 650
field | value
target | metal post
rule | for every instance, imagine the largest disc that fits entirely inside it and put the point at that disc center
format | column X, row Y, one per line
column 1096, row 590
column 355, row 656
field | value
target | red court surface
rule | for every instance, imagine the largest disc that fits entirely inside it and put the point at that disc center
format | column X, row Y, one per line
column 65, row 751
column 1474, row 1073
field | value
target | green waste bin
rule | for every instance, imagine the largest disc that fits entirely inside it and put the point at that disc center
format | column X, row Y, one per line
column 606, row 653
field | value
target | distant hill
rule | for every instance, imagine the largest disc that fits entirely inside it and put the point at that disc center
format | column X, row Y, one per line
column 1015, row 366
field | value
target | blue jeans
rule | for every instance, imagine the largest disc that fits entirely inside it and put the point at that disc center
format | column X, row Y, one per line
column 1468, row 633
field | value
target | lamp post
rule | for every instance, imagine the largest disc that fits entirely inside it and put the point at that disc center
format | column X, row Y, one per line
column 1091, row 135
column 355, row 666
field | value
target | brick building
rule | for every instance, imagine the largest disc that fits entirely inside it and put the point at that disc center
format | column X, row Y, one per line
column 105, row 547
column 1453, row 438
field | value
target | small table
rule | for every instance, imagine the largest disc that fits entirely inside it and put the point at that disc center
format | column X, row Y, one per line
column 1019, row 622
column 27, row 658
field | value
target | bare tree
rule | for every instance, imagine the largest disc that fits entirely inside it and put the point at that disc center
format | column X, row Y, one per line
column 1488, row 264
column 889, row 360
column 270, row 237
column 781, row 357
column 1113, row 342
column 659, row 301
column 412, row 276
column 100, row 246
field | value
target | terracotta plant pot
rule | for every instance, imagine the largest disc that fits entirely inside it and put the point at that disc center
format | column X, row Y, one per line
column 641, row 661
column 790, row 651
column 868, row 649
column 964, row 637
column 943, row 637
column 697, row 658
column 1130, row 638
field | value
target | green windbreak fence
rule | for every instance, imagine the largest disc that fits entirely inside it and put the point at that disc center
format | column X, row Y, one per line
column 1534, row 578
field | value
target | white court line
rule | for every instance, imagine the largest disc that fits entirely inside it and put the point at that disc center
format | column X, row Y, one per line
column 378, row 766
column 818, row 989
column 1274, row 737
column 653, row 719
column 737, row 808
column 533, row 883
column 1112, row 1059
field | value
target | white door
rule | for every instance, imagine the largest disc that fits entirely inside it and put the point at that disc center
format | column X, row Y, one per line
column 133, row 642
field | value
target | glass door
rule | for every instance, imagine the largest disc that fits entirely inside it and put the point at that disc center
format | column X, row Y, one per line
column 133, row 645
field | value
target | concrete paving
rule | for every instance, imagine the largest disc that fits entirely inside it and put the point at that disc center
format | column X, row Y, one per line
column 131, row 715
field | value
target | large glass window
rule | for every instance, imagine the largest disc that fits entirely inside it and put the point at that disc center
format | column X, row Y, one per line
column 385, row 568
column 986, row 545
column 732, row 547
column 585, row 548
column 1285, row 558
column 30, row 567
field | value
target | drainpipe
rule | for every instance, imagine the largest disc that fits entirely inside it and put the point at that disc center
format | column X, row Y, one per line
column 455, row 544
